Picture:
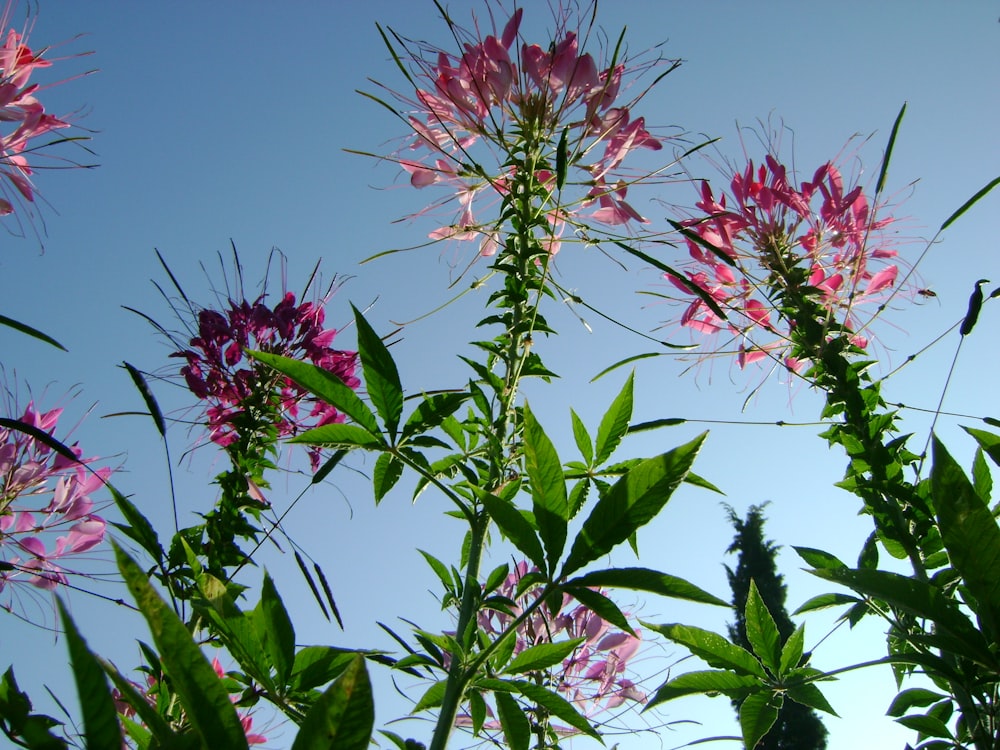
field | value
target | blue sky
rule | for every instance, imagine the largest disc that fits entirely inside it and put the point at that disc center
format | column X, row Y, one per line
column 227, row 121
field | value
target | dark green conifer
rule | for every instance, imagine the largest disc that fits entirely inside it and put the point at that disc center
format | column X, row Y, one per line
column 798, row 727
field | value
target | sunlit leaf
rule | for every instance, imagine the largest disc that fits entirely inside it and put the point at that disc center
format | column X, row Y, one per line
column 343, row 717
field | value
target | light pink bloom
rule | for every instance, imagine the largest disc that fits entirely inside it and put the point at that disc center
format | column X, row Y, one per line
column 823, row 236
column 46, row 508
column 472, row 109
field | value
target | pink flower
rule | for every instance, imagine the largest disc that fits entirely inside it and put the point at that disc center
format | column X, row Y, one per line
column 593, row 676
column 768, row 240
column 46, row 508
column 244, row 396
column 21, row 111
column 474, row 111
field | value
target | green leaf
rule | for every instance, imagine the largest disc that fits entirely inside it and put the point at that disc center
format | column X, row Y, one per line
column 582, row 438
column 324, row 385
column 156, row 724
column 650, row 581
column 16, row 716
column 432, row 412
column 440, row 569
column 137, row 527
column 910, row 698
column 205, row 700
column 762, row 632
column 970, row 534
column 757, row 716
column 880, row 184
column 807, row 693
column 34, row 332
column 970, row 203
column 928, row 726
column 100, row 720
column 514, row 721
column 632, row 501
column 791, row 652
column 614, row 424
column 600, row 605
column 916, row 597
column 542, row 656
column 317, row 665
column 388, row 470
column 339, row 435
column 709, row 682
column 562, row 157
column 343, row 717
column 477, row 711
column 987, row 441
column 712, row 648
column 818, row 558
column 238, row 631
column 554, row 704
column 826, row 600
column 431, row 698
column 548, row 488
column 274, row 628
column 381, row 376
column 515, row 527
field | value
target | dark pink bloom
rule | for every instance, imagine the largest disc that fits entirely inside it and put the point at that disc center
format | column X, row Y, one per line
column 217, row 372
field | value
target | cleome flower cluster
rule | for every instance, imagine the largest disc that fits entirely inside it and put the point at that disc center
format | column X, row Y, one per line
column 759, row 249
column 46, row 509
column 22, row 115
column 243, row 395
column 593, row 677
column 501, row 107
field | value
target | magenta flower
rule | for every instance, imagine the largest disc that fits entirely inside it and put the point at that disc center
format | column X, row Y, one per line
column 21, row 112
column 244, row 396
column 766, row 243
column 46, row 509
column 498, row 107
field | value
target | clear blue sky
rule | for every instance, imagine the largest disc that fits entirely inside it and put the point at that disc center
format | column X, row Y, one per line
column 226, row 121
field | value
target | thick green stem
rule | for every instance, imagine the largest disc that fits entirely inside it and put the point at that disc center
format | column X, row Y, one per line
column 459, row 674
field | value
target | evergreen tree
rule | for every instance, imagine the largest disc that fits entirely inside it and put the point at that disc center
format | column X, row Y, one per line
column 797, row 727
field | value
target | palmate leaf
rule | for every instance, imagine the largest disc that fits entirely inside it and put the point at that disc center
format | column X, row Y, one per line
column 100, row 720
column 343, row 717
column 205, row 700
column 632, row 501
column 550, row 504
column 970, row 534
column 324, row 385
column 381, row 376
